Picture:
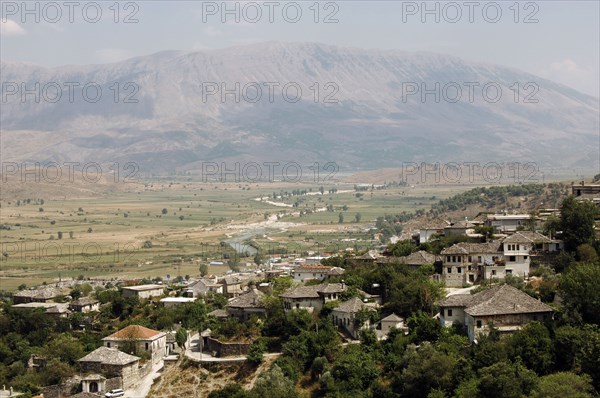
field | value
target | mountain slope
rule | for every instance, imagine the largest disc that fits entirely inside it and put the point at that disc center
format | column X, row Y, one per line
column 372, row 125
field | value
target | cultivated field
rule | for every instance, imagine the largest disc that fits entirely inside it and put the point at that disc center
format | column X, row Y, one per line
column 166, row 226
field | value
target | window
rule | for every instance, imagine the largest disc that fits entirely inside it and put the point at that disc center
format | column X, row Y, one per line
column 469, row 268
column 449, row 269
column 509, row 272
column 469, row 258
column 453, row 259
column 478, row 324
column 147, row 346
column 478, row 259
column 108, row 345
column 494, row 272
column 512, row 258
column 459, row 270
column 447, row 259
column 524, row 257
column 449, row 312
column 518, row 247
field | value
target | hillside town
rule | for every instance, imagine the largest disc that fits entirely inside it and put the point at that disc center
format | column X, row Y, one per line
column 489, row 281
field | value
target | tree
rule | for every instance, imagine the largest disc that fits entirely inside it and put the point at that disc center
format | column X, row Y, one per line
column 580, row 293
column 164, row 211
column 203, row 269
column 577, row 222
column 71, row 234
column 340, row 218
column 534, row 346
column 423, row 328
column 181, row 337
column 274, row 384
column 147, row 244
column 426, row 369
column 357, row 217
column 256, row 352
column 564, row 384
column 506, row 380
column 587, row 253
column 60, row 235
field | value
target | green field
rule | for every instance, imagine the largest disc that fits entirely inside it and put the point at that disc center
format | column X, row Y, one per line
column 105, row 235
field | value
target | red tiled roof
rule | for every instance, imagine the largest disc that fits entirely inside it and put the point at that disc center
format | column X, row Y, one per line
column 134, row 332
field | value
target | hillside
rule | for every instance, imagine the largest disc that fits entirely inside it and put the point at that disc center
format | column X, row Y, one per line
column 166, row 119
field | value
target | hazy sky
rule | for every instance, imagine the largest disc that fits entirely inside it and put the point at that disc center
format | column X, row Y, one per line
column 558, row 40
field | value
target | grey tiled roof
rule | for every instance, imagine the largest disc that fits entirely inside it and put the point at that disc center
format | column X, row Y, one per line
column 527, row 237
column 109, row 356
column 251, row 299
column 83, row 301
column 353, row 305
column 392, row 318
column 313, row 291
column 473, row 248
column 498, row 300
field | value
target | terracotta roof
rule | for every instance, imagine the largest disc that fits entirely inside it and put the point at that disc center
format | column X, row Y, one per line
column 473, row 248
column 109, row 356
column 251, row 299
column 498, row 300
column 137, row 332
column 527, row 237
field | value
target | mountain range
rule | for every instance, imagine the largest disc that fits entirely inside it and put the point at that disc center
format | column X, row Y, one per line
column 167, row 111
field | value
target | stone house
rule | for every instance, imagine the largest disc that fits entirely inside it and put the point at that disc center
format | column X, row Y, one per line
column 246, row 305
column 110, row 362
column 39, row 295
column 311, row 298
column 232, row 286
column 139, row 339
column 503, row 307
column 84, row 304
column 463, row 262
column 389, row 322
column 430, row 228
column 345, row 316
column 312, row 272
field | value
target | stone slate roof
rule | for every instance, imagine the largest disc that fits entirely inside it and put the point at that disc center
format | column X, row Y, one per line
column 353, row 306
column 251, row 299
column 498, row 300
column 392, row 318
column 370, row 255
column 313, row 291
column 527, row 237
column 417, row 258
column 136, row 332
column 219, row 313
column 83, row 301
column 473, row 248
column 461, row 225
column 109, row 356
column 45, row 293
column 434, row 223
